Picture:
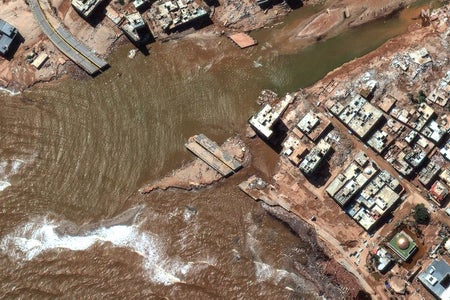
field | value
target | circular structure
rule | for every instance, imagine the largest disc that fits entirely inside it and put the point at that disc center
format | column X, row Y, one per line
column 403, row 242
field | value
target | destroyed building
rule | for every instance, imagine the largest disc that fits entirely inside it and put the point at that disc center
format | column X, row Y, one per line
column 368, row 89
column 420, row 56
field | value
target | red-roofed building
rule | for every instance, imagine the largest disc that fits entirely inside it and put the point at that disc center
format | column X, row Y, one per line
column 439, row 192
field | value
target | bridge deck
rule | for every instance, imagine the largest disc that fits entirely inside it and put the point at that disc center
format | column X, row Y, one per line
column 66, row 43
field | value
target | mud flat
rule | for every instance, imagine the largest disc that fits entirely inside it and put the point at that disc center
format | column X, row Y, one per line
column 336, row 17
column 197, row 173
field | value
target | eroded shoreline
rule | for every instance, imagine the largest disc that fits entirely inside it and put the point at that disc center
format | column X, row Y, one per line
column 343, row 77
column 17, row 75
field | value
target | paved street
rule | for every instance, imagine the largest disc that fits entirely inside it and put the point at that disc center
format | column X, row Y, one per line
column 66, row 43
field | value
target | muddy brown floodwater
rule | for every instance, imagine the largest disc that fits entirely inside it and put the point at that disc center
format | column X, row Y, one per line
column 77, row 152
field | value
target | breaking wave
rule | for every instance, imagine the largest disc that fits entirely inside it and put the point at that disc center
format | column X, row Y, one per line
column 4, row 185
column 8, row 91
column 9, row 168
column 39, row 236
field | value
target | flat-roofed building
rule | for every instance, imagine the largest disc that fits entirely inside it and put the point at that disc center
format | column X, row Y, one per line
column 135, row 27
column 439, row 192
column 411, row 137
column 334, row 107
column 433, row 131
column 440, row 95
column 86, row 7
column 139, row 4
column 445, row 176
column 294, row 149
column 445, row 150
column 349, row 182
column 350, row 189
column 8, row 34
column 436, row 279
column 313, row 125
column 374, row 202
column 265, row 120
column 315, row 158
column 40, row 60
column 384, row 177
column 172, row 15
column 360, row 116
column 399, row 164
column 379, row 141
column 364, row 192
column 421, row 117
column 393, row 127
column 428, row 174
column 386, row 103
column 415, row 157
column 361, row 159
column 401, row 114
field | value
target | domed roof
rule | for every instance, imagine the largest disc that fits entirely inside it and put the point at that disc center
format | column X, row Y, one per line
column 403, row 242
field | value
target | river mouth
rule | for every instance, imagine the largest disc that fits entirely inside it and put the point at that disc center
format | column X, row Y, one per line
column 76, row 151
column 85, row 146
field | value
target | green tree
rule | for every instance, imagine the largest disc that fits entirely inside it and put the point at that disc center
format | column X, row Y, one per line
column 421, row 214
column 421, row 97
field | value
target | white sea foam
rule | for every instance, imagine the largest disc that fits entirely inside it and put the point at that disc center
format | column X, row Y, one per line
column 265, row 272
column 36, row 237
column 15, row 165
column 4, row 185
column 9, row 168
column 8, row 91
